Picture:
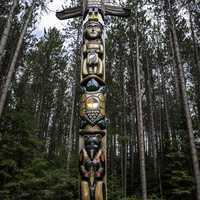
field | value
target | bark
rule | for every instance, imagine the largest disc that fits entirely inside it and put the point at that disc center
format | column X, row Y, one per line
column 184, row 101
column 56, row 126
column 174, row 68
column 197, row 62
column 14, row 59
column 140, row 124
column 52, row 145
column 124, row 147
column 133, row 113
column 132, row 143
column 151, row 117
column 123, row 134
column 122, row 99
column 69, row 143
column 6, row 31
column 165, row 105
column 114, row 148
column 110, row 150
column 160, row 180
column 178, row 108
column 75, row 109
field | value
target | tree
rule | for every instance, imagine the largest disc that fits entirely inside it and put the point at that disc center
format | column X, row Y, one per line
column 14, row 59
column 6, row 31
column 184, row 102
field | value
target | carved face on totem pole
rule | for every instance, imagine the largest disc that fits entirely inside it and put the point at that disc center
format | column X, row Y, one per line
column 93, row 30
column 92, row 109
column 92, row 144
column 92, row 158
column 93, row 47
column 94, row 14
column 92, row 168
column 92, row 132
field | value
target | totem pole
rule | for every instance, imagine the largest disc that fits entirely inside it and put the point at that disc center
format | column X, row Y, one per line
column 92, row 132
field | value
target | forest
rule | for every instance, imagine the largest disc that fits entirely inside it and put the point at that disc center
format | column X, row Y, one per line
column 152, row 105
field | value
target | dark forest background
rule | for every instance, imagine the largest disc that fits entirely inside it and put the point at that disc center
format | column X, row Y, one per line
column 153, row 78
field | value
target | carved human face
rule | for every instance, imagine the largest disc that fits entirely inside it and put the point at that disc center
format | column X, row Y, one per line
column 93, row 30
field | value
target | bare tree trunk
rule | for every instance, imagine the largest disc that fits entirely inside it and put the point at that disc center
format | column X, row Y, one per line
column 6, row 31
column 151, row 117
column 195, row 42
column 184, row 102
column 74, row 107
column 189, row 122
column 175, row 74
column 174, row 68
column 13, row 63
column 132, row 142
column 124, row 146
column 160, row 180
column 197, row 62
column 140, row 124
column 165, row 105
column 69, row 143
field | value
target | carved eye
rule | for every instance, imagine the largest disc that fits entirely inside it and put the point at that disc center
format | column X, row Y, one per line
column 86, row 137
column 99, row 137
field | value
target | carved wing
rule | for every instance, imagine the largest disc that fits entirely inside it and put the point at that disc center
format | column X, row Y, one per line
column 117, row 11
column 69, row 13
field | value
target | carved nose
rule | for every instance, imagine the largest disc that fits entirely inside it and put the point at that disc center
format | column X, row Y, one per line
column 92, row 153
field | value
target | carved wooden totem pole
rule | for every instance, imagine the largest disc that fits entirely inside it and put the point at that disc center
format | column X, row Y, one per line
column 92, row 132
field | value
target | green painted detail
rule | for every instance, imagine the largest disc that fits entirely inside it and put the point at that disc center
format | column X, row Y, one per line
column 92, row 85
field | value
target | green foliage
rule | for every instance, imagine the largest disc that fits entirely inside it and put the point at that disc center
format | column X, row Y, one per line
column 151, row 197
column 132, row 198
column 24, row 171
column 33, row 166
column 177, row 181
column 114, row 189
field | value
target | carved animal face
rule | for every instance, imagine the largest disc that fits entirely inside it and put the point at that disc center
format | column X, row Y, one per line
column 93, row 30
column 94, row 14
column 92, row 144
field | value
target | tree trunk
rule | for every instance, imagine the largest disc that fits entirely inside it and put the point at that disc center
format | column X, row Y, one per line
column 6, row 31
column 174, row 68
column 140, row 123
column 165, row 106
column 132, row 144
column 184, row 102
column 69, row 143
column 151, row 117
column 197, row 62
column 124, row 146
column 14, row 59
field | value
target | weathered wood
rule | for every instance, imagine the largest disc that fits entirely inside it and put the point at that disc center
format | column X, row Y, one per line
column 93, row 133
column 69, row 13
column 78, row 12
column 117, row 11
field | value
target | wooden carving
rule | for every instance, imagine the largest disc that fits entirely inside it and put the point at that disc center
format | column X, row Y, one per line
column 92, row 132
